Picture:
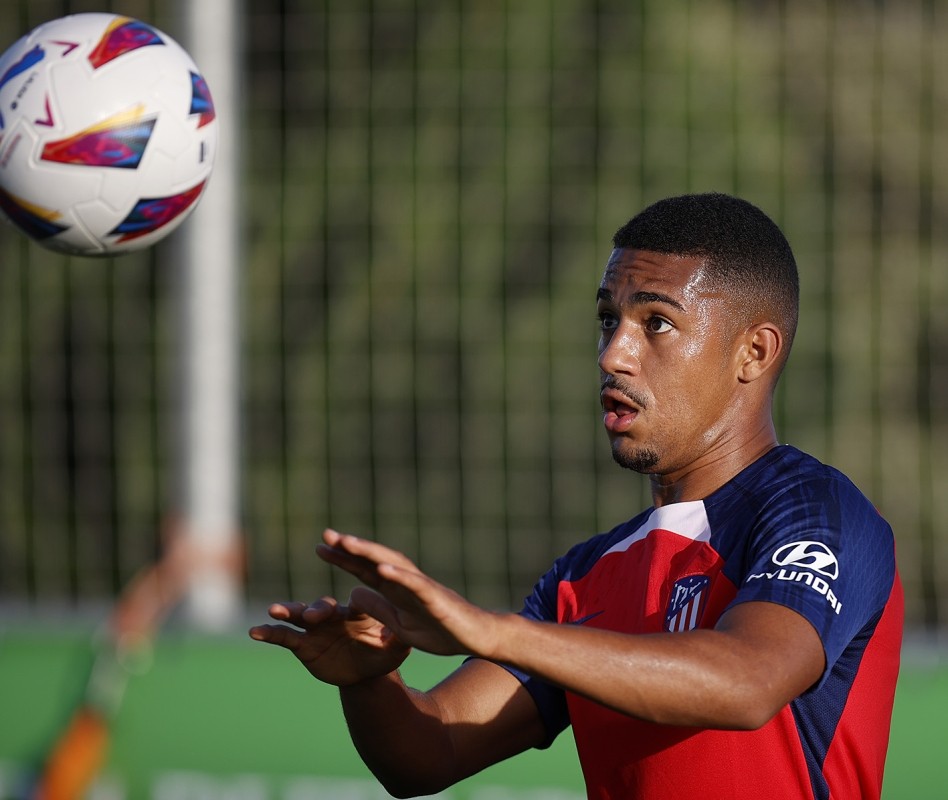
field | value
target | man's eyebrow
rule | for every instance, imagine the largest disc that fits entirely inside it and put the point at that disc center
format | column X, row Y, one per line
column 642, row 298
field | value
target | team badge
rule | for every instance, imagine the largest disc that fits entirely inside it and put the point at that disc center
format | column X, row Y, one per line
column 686, row 605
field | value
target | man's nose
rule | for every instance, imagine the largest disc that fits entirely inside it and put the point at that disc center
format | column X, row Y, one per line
column 619, row 354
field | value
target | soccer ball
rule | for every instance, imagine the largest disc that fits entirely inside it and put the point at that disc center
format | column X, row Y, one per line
column 107, row 134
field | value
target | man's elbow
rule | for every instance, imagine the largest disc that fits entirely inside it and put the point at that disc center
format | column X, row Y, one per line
column 405, row 786
column 752, row 717
column 752, row 709
column 397, row 790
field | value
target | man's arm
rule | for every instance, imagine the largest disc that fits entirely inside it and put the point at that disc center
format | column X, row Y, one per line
column 759, row 657
column 740, row 674
column 418, row 743
column 414, row 742
column 736, row 676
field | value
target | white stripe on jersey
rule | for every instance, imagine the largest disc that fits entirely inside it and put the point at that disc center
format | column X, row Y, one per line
column 684, row 519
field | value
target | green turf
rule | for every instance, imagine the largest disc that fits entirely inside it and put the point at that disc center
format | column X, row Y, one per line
column 231, row 718
column 916, row 768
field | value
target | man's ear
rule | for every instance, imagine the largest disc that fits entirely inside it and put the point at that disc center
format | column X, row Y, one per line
column 760, row 351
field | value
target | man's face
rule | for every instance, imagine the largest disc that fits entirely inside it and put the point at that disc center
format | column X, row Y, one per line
column 667, row 359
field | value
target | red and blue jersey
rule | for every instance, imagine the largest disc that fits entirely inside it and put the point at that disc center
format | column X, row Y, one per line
column 786, row 530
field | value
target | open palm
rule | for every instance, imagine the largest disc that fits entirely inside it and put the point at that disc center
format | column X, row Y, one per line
column 336, row 644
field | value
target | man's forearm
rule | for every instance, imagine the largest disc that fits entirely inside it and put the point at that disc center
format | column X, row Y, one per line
column 399, row 734
column 737, row 676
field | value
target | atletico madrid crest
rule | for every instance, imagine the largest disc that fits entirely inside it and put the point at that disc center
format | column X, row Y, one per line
column 686, row 604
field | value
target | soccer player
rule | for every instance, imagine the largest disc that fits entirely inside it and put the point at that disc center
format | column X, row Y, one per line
column 740, row 638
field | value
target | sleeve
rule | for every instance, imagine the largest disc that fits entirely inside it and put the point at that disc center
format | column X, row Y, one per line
column 541, row 606
column 823, row 550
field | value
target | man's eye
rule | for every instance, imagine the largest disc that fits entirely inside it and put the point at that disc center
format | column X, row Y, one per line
column 607, row 321
column 657, row 325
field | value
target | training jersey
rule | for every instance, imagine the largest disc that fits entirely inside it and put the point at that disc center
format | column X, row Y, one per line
column 786, row 530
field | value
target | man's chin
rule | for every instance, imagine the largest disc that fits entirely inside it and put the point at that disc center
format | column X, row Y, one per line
column 639, row 460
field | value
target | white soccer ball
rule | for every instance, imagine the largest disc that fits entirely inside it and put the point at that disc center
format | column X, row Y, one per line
column 107, row 134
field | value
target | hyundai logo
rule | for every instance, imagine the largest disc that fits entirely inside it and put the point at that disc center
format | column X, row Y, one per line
column 815, row 556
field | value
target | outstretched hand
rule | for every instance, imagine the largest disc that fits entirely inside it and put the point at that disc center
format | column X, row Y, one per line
column 414, row 608
column 337, row 644
column 397, row 608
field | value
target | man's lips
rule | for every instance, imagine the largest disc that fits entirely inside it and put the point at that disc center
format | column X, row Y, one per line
column 618, row 411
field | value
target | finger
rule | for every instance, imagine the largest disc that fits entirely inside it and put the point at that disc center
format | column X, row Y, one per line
column 361, row 568
column 366, row 549
column 403, row 586
column 307, row 616
column 286, row 612
column 366, row 601
column 367, row 571
column 279, row 635
column 320, row 611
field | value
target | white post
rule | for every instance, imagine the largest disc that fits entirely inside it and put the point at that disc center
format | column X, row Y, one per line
column 209, row 454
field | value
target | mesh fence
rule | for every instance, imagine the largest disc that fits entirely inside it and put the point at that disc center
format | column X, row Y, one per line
column 429, row 193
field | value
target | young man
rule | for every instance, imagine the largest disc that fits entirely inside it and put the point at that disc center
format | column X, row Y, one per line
column 738, row 639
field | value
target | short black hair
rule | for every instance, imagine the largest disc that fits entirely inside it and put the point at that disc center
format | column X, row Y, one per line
column 744, row 250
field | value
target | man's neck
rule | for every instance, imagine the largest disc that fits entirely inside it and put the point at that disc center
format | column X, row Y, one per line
column 705, row 476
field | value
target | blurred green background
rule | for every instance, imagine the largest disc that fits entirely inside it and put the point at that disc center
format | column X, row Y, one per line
column 428, row 191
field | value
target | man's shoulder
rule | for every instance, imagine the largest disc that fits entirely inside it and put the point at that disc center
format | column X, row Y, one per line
column 789, row 496
column 788, row 470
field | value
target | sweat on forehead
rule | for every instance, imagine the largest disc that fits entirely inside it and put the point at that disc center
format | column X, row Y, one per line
column 661, row 272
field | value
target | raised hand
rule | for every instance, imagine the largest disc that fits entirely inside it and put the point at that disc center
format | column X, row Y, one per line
column 336, row 643
column 416, row 609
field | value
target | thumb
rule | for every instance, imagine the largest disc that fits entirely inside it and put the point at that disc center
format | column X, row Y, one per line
column 363, row 600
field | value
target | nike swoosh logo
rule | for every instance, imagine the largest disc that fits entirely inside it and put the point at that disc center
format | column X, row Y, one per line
column 585, row 619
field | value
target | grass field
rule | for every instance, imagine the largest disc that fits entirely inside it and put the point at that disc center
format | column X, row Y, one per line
column 230, row 718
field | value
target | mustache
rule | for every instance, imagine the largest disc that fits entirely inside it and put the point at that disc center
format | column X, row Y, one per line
column 619, row 385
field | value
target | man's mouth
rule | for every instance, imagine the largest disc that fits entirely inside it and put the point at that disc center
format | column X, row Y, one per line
column 618, row 410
